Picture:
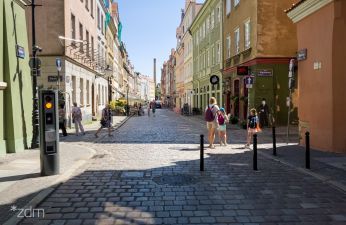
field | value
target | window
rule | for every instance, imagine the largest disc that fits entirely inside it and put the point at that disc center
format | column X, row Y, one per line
column 92, row 8
column 81, row 37
column 247, row 34
column 102, row 25
column 92, row 48
column 87, row 4
column 236, row 2
column 228, row 7
column 208, row 24
column 218, row 53
column 87, row 43
column 212, row 19
column 88, row 92
column 228, row 46
column 218, row 11
column 236, row 40
column 208, row 58
column 73, row 28
column 81, row 85
column 212, row 55
column 98, row 18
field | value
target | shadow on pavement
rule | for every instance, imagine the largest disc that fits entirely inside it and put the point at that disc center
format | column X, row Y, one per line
column 19, row 177
column 229, row 191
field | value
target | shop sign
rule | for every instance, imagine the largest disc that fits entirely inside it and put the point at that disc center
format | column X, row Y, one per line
column 20, row 52
column 302, row 54
column 214, row 79
column 54, row 78
column 265, row 73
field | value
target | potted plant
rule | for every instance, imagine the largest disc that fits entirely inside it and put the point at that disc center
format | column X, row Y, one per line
column 233, row 120
column 243, row 124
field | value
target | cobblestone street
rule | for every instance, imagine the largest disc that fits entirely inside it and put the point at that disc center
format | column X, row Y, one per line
column 148, row 173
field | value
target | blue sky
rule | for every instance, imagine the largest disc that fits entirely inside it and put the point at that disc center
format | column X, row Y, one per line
column 149, row 31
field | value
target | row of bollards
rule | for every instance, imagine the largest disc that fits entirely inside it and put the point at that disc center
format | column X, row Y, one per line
column 307, row 150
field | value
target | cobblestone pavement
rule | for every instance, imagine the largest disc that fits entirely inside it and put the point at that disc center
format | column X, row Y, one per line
column 148, row 173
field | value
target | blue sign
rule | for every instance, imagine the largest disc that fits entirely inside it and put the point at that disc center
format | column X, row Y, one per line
column 249, row 80
column 58, row 64
column 20, row 52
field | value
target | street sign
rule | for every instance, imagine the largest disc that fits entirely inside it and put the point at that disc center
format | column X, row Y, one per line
column 20, row 52
column 249, row 81
column 58, row 64
column 214, row 79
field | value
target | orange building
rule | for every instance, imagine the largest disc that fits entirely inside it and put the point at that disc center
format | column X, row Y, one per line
column 321, row 31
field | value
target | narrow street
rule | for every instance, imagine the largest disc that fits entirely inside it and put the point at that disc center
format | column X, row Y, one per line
column 148, row 173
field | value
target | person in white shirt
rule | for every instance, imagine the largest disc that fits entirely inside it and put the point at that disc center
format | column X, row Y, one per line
column 77, row 119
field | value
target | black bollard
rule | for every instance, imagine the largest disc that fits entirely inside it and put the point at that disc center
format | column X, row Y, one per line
column 201, row 165
column 274, row 141
column 255, row 152
column 307, row 150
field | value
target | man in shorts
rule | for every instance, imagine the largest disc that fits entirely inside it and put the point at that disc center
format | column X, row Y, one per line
column 211, row 119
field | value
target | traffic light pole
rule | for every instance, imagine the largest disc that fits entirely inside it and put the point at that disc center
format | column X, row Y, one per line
column 35, row 113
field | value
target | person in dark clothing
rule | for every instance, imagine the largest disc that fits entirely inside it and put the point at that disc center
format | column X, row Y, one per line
column 263, row 111
column 62, row 120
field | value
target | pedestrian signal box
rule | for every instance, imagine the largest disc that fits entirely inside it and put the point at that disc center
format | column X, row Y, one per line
column 49, row 132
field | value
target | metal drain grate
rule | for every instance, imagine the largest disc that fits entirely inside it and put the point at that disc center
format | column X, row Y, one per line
column 175, row 180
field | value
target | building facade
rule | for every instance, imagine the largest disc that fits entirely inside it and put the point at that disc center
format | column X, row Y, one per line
column 206, row 31
column 190, row 12
column 322, row 71
column 252, row 39
column 77, row 42
column 15, row 79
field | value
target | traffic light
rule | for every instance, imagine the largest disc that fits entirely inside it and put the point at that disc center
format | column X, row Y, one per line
column 49, row 132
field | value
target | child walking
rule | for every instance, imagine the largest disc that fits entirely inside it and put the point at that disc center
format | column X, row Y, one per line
column 251, row 126
column 222, row 119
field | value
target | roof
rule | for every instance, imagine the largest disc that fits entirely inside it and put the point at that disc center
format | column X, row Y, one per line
column 295, row 5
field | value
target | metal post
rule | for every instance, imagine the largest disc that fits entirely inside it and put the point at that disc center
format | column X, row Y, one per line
column 307, row 152
column 274, row 141
column 255, row 152
column 35, row 113
column 58, row 81
column 201, row 166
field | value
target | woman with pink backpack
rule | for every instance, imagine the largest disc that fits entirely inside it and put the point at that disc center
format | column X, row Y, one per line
column 222, row 119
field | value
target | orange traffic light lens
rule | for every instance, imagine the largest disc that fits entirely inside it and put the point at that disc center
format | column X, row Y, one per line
column 49, row 105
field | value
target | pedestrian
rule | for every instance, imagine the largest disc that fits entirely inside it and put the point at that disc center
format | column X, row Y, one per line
column 153, row 107
column 252, row 126
column 222, row 119
column 77, row 119
column 149, row 108
column 106, row 120
column 210, row 117
column 263, row 110
column 62, row 120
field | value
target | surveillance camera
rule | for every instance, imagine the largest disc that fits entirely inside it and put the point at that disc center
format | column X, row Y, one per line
column 38, row 48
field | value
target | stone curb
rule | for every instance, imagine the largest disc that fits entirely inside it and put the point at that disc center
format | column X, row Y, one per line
column 339, row 186
column 42, row 195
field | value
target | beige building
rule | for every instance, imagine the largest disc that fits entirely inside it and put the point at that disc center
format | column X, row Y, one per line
column 73, row 39
column 191, row 10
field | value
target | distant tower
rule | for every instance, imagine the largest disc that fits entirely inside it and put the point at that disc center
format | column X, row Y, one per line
column 155, row 77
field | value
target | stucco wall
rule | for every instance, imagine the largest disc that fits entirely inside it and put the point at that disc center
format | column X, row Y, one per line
column 49, row 21
column 2, row 122
column 18, row 94
column 315, row 33
column 276, row 32
column 339, row 76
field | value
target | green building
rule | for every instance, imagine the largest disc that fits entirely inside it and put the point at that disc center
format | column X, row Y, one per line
column 206, row 31
column 15, row 79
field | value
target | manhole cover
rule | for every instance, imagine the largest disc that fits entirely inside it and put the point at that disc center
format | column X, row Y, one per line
column 175, row 180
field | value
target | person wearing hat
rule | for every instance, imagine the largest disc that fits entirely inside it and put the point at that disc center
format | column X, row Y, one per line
column 222, row 119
